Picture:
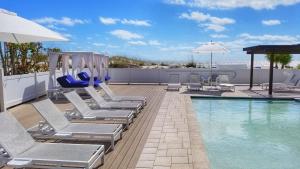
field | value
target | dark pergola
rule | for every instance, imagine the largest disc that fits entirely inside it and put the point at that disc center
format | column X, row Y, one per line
column 270, row 49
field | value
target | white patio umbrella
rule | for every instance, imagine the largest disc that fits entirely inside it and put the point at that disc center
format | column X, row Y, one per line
column 16, row 29
column 211, row 47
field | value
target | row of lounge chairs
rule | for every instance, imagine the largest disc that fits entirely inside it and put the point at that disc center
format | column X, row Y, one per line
column 104, row 121
column 196, row 82
column 292, row 82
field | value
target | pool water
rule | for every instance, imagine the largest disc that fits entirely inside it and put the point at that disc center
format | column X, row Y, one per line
column 249, row 133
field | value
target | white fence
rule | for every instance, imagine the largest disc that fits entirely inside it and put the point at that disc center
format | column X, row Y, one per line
column 21, row 88
column 240, row 76
column 17, row 89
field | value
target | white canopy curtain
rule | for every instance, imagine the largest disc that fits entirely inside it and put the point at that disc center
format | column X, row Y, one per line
column 105, row 62
column 79, row 61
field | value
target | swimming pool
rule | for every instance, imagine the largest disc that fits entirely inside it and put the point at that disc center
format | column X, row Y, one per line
column 250, row 133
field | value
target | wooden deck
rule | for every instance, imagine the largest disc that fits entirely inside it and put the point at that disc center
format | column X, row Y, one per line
column 127, row 150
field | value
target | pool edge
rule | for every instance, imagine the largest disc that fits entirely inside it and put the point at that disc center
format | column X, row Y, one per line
column 199, row 154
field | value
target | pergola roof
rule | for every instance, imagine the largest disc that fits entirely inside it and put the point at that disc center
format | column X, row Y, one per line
column 275, row 49
column 270, row 49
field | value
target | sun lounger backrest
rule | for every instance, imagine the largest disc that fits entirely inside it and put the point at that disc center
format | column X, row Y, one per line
column 95, row 95
column 223, row 79
column 51, row 114
column 13, row 137
column 195, row 78
column 106, row 89
column 289, row 77
column 75, row 99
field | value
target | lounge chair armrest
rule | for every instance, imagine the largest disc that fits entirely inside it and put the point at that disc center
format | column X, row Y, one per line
column 19, row 162
column 72, row 114
column 63, row 134
column 89, row 118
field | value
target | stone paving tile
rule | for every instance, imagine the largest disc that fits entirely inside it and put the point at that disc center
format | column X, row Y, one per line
column 177, row 152
column 163, row 161
column 149, row 151
column 161, row 167
column 161, row 153
column 180, row 160
column 173, row 143
column 147, row 157
column 151, row 145
column 144, row 164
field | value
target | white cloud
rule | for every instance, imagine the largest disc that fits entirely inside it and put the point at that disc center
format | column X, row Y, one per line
column 154, row 43
column 113, row 21
column 137, row 43
column 177, row 48
column 135, row 22
column 214, row 27
column 56, row 28
column 66, row 21
column 98, row 44
column 278, row 39
column 218, row 36
column 271, row 22
column 206, row 20
column 126, row 35
column 231, row 4
column 108, row 21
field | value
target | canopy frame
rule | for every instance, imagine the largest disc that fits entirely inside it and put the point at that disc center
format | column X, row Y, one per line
column 271, row 50
column 95, row 60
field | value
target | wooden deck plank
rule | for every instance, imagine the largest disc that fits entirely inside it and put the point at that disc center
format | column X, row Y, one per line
column 126, row 150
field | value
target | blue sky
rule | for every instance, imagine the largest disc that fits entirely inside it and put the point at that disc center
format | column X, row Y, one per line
column 166, row 29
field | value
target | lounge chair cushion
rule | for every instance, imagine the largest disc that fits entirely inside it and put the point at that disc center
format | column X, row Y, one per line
column 85, row 77
column 68, row 81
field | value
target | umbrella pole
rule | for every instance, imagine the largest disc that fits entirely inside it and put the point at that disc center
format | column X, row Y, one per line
column 210, row 69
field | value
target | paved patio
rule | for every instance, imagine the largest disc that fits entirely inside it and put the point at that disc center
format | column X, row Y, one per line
column 174, row 141
column 165, row 135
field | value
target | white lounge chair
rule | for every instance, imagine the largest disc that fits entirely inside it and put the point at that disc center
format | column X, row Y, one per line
column 288, row 84
column 84, row 112
column 194, row 82
column 174, row 82
column 58, row 127
column 114, row 97
column 100, row 103
column 24, row 152
column 224, row 83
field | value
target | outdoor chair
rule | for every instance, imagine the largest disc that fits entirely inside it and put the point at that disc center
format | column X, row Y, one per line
column 194, row 82
column 213, row 79
column 83, row 112
column 224, row 84
column 85, row 77
column 204, row 80
column 113, row 97
column 174, row 82
column 58, row 127
column 23, row 152
column 100, row 103
column 289, row 83
column 68, row 81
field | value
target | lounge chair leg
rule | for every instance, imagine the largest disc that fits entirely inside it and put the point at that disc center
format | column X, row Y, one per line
column 112, row 143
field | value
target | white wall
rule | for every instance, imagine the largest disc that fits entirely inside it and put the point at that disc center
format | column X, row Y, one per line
column 22, row 88
column 240, row 76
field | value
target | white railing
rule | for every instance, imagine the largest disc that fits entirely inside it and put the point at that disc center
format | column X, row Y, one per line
column 21, row 88
column 240, row 76
column 18, row 89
